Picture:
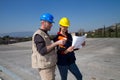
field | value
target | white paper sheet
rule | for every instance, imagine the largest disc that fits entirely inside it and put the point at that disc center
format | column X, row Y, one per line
column 78, row 40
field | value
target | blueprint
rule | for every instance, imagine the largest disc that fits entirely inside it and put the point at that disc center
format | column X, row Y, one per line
column 78, row 40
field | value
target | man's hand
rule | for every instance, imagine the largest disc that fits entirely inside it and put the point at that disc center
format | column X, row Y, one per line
column 60, row 42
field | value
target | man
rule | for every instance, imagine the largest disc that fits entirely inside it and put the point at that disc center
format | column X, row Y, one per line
column 44, row 56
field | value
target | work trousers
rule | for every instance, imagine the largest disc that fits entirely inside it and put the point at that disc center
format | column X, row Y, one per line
column 72, row 68
column 47, row 73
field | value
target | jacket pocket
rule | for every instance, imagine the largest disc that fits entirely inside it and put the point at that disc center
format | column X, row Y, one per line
column 34, row 60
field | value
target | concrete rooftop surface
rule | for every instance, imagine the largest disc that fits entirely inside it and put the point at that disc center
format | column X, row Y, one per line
column 98, row 60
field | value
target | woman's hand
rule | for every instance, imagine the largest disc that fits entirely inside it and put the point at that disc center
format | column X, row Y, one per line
column 83, row 44
column 70, row 49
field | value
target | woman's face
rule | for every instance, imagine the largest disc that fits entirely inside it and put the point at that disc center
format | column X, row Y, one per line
column 63, row 28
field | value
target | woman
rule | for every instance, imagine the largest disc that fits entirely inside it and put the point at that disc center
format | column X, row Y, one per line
column 66, row 55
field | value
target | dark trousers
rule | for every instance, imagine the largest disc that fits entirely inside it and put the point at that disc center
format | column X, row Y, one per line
column 72, row 68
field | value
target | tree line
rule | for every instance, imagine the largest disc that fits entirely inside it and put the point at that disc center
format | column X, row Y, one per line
column 105, row 32
column 9, row 40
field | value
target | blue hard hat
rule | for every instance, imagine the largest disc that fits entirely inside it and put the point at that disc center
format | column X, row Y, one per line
column 47, row 17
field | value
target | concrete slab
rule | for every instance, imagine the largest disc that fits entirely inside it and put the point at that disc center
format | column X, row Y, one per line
column 98, row 60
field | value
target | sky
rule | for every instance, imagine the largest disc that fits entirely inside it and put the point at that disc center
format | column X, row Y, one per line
column 24, row 15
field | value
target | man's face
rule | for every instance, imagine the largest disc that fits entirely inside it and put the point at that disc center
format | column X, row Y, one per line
column 48, row 25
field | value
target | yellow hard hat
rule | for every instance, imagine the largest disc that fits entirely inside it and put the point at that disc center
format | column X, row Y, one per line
column 64, row 22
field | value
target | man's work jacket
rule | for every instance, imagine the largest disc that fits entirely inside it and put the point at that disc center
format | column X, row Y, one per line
column 43, row 61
